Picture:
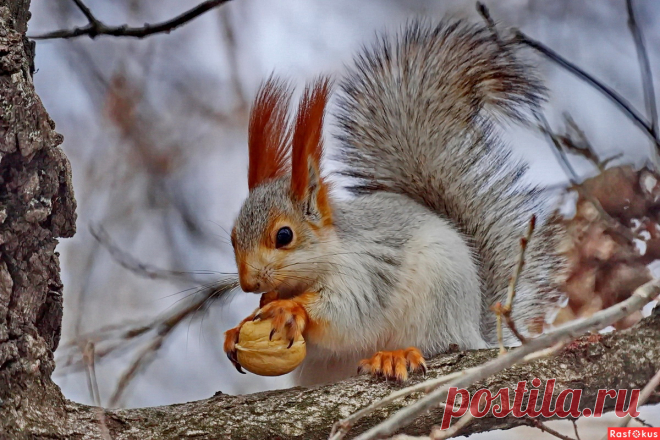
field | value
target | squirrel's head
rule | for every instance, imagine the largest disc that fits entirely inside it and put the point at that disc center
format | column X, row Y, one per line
column 287, row 214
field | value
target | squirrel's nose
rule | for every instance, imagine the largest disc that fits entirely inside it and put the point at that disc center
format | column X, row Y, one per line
column 248, row 276
column 249, row 285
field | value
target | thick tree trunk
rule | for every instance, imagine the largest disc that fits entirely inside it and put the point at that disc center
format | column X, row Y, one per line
column 37, row 207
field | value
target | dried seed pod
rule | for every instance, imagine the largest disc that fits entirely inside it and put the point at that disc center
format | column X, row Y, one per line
column 260, row 355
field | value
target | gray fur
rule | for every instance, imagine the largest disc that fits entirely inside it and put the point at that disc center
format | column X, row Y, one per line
column 258, row 209
column 429, row 240
column 417, row 117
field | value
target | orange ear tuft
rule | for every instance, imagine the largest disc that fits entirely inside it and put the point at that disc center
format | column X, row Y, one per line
column 269, row 133
column 307, row 136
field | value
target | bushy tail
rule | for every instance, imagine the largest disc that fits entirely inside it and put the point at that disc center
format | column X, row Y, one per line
column 417, row 115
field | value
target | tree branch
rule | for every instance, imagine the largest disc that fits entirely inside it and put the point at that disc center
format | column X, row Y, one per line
column 619, row 100
column 645, row 67
column 310, row 413
column 95, row 27
column 562, row 334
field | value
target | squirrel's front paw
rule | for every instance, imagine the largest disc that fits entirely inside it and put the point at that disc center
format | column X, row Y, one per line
column 231, row 335
column 289, row 318
column 231, row 339
column 394, row 364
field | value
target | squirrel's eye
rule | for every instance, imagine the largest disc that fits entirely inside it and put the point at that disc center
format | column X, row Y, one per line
column 284, row 237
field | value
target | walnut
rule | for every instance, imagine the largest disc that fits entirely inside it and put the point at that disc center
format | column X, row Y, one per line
column 259, row 355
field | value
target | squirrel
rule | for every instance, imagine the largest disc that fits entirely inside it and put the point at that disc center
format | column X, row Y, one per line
column 414, row 260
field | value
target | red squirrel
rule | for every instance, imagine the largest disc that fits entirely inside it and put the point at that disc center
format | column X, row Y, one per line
column 413, row 261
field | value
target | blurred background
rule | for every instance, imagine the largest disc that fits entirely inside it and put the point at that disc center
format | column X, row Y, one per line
column 156, row 133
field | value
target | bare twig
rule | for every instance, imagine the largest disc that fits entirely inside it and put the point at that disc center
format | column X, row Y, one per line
column 95, row 27
column 505, row 311
column 645, row 67
column 581, row 146
column 141, row 361
column 511, row 294
column 439, row 434
column 642, row 422
column 130, row 331
column 129, row 262
column 615, row 225
column 485, row 14
column 575, row 428
column 558, row 150
column 86, row 11
column 568, row 331
column 616, row 98
column 619, row 100
column 545, row 428
column 341, row 428
column 90, row 371
column 165, row 327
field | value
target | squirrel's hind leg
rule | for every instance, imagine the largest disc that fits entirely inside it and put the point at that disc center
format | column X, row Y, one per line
column 394, row 364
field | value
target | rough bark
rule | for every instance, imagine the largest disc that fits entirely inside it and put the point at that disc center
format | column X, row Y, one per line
column 621, row 360
column 37, row 207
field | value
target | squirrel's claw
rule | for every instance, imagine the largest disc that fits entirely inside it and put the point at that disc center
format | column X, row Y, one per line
column 232, row 357
column 231, row 335
column 394, row 364
column 231, row 339
column 231, row 352
column 289, row 318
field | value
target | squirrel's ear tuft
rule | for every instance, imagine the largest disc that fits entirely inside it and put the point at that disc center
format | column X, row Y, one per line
column 269, row 133
column 307, row 150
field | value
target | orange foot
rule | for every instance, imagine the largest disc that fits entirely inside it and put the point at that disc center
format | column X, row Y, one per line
column 231, row 335
column 394, row 364
column 289, row 318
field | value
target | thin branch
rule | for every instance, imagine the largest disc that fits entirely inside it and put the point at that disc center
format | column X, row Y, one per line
column 616, row 226
column 141, row 361
column 127, row 261
column 86, row 11
column 569, row 331
column 95, row 27
column 439, row 434
column 575, row 428
column 645, row 67
column 558, row 150
column 505, row 311
column 545, row 428
column 90, row 371
column 310, row 411
column 642, row 422
column 165, row 328
column 341, row 428
column 581, row 146
column 619, row 100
